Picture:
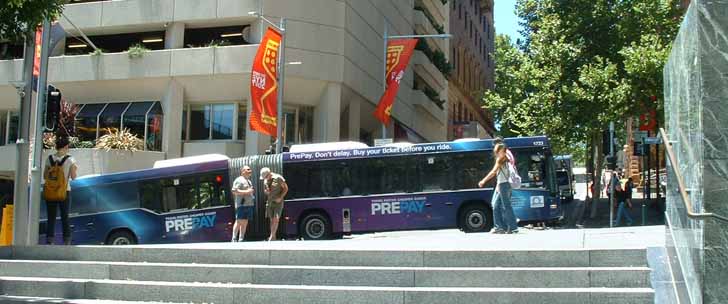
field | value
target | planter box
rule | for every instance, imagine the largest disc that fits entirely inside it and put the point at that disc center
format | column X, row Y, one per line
column 99, row 161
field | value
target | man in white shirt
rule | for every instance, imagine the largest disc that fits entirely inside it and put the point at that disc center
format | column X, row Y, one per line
column 244, row 203
column 56, row 198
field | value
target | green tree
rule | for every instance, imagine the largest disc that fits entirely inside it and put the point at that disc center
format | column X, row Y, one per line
column 582, row 64
column 19, row 17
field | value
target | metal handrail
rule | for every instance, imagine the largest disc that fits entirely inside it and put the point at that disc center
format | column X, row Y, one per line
column 681, row 183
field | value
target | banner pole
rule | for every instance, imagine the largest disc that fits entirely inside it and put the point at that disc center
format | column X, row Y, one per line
column 281, row 69
column 384, row 75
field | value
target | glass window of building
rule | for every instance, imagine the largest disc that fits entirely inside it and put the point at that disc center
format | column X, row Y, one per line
column 87, row 121
column 199, row 122
column 222, row 121
column 110, row 118
column 135, row 116
column 154, row 128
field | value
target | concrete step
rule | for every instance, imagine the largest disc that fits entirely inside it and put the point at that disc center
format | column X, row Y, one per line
column 517, row 277
column 46, row 300
column 372, row 258
column 252, row 293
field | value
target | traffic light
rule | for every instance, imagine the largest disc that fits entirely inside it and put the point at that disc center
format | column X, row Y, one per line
column 606, row 142
column 611, row 162
column 53, row 107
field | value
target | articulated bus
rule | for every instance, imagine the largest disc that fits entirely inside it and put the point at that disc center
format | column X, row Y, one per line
column 334, row 189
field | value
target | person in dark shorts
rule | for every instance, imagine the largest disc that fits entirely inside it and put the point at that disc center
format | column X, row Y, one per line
column 244, row 203
column 276, row 190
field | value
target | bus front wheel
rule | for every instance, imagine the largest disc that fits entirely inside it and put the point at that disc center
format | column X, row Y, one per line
column 476, row 218
column 315, row 226
column 121, row 237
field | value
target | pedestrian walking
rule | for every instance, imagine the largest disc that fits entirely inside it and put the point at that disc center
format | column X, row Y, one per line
column 503, row 217
column 509, row 154
column 244, row 203
column 275, row 190
column 59, row 170
column 624, row 194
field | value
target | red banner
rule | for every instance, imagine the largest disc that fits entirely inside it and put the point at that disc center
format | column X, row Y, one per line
column 264, row 85
column 398, row 56
column 648, row 121
column 38, row 45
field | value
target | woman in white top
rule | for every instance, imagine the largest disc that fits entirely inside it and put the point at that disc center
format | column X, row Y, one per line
column 504, row 220
column 69, row 171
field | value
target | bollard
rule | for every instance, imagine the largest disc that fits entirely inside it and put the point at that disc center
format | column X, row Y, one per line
column 643, row 214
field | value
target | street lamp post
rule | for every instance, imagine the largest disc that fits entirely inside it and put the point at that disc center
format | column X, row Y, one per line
column 384, row 59
column 281, row 27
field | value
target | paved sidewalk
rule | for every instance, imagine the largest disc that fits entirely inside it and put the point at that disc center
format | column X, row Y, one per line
column 451, row 239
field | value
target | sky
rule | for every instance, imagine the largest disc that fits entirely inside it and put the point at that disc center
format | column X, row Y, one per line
column 506, row 21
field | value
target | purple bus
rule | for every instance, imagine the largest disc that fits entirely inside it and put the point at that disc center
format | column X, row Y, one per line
column 341, row 190
column 334, row 189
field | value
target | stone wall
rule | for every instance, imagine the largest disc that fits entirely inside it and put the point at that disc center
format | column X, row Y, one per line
column 696, row 110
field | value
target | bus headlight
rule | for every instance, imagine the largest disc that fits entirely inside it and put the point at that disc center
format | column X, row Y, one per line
column 554, row 206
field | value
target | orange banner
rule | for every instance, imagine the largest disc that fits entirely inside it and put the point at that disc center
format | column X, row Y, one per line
column 38, row 46
column 398, row 56
column 264, row 85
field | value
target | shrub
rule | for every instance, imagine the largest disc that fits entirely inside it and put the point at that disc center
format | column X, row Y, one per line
column 120, row 140
column 75, row 143
column 137, row 51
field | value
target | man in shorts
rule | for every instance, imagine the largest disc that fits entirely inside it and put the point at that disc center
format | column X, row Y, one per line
column 276, row 190
column 244, row 203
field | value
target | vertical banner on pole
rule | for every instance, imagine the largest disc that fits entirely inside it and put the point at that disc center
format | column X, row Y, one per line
column 264, row 86
column 398, row 56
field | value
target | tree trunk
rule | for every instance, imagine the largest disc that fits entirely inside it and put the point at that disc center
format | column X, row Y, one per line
column 598, row 157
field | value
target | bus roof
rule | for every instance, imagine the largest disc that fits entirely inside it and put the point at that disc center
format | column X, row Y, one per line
column 172, row 171
column 442, row 147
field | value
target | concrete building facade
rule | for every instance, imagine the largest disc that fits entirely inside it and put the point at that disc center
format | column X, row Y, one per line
column 177, row 72
column 471, row 53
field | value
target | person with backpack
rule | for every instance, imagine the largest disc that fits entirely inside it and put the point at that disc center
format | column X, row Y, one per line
column 624, row 199
column 60, row 169
column 507, row 178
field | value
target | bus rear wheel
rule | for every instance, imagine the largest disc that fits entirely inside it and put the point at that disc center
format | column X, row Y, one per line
column 315, row 226
column 476, row 218
column 121, row 237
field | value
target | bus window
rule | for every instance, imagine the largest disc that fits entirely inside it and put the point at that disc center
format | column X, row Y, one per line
column 150, row 193
column 117, row 196
column 470, row 168
column 532, row 168
column 179, row 193
column 83, row 201
column 212, row 192
column 388, row 175
column 436, row 172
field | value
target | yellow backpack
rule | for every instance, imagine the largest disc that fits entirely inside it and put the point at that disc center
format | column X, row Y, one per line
column 56, row 181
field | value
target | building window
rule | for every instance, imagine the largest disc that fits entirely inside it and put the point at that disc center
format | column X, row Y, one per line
column 460, row 11
column 135, row 117
column 110, row 118
column 154, row 128
column 215, row 121
column 87, row 127
column 143, row 119
column 222, row 121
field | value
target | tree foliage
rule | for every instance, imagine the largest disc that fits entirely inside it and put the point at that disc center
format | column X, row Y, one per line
column 582, row 64
column 18, row 17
